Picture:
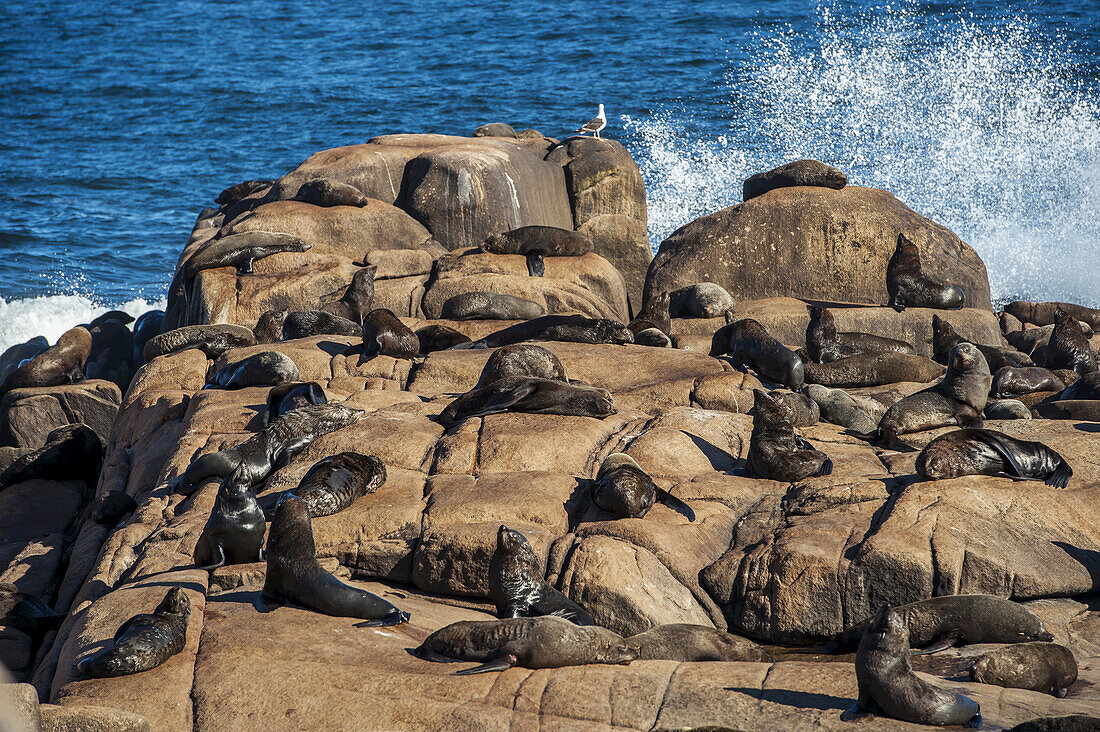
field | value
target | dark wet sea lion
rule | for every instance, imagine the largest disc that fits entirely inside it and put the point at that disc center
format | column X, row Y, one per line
column 309, row 323
column 26, row 613
column 490, row 306
column 517, row 586
column 275, row 445
column 1033, row 338
column 61, row 363
column 959, row 398
column 71, row 452
column 213, row 340
column 1074, row 723
column 888, row 687
column 112, row 349
column 987, row 452
column 797, row 173
column 434, row 338
column 294, row 575
column 873, row 369
column 801, row 409
column 944, row 338
column 838, row 407
column 686, row 642
column 1043, row 313
column 1006, row 409
column 825, row 344
column 144, row 641
column 1068, row 348
column 530, row 395
column 385, row 335
column 750, row 345
column 329, row 192
column 334, row 483
column 570, row 328
column 236, row 192
column 910, row 288
column 116, row 316
column 111, row 507
column 701, row 300
column 147, row 326
column 1011, row 381
column 240, row 251
column 624, row 489
column 550, row 241
column 1086, row 387
column 19, row 353
column 357, row 300
column 291, row 395
column 266, row 368
column 545, row 642
column 775, row 451
column 522, row 359
column 234, row 533
column 1046, row 667
column 655, row 314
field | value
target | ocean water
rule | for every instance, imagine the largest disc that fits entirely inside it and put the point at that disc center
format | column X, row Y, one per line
column 122, row 120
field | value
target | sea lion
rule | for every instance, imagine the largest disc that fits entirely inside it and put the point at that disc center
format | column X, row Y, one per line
column 385, row 335
column 1046, row 667
column 356, row 301
column 522, row 359
column 686, row 642
column 294, row 575
column 146, row 326
column 111, row 316
column 775, row 451
column 944, row 338
column 838, row 407
column 240, row 251
column 71, row 452
column 873, row 369
column 1034, row 337
column 748, row 344
column 434, row 338
column 1074, row 723
column 309, row 323
column 987, row 452
column 544, row 642
column 495, row 129
column 517, row 586
column 1043, row 313
column 112, row 349
column 61, row 363
column 959, row 398
column 825, row 344
column 530, row 395
column 328, row 192
column 236, row 192
column 334, row 483
column 20, row 352
column 570, row 328
column 291, row 395
column 1006, row 409
column 111, row 507
column 213, row 340
column 536, row 242
column 1012, row 381
column 1086, row 387
column 26, row 613
column 798, row 173
column 234, row 533
column 801, row 409
column 652, row 337
column 655, row 314
column 909, row 288
column 888, row 686
column 624, row 489
column 266, row 368
column 269, row 326
column 278, row 442
column 701, row 300
column 490, row 306
column 144, row 641
column 1068, row 348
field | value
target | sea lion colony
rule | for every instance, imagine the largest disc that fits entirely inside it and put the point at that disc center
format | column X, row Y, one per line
column 539, row 625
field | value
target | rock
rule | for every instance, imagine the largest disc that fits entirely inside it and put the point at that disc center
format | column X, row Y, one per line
column 798, row 173
column 28, row 416
column 19, row 708
column 87, row 718
column 850, row 233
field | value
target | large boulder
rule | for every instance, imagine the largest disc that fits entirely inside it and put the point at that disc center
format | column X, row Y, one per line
column 29, row 415
column 812, row 243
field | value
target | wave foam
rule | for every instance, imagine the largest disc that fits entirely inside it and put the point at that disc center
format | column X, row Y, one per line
column 52, row 315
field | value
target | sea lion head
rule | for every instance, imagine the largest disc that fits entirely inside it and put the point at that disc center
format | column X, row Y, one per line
column 612, row 331
column 1034, row 630
column 596, row 402
column 269, row 328
column 77, row 340
column 614, row 461
column 986, row 670
column 617, row 650
column 767, row 409
column 175, row 602
column 935, row 464
column 510, row 540
column 889, row 629
column 965, row 358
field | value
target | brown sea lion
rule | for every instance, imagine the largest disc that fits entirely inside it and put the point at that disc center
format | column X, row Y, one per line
column 825, row 344
column 517, row 586
column 334, row 483
column 686, row 642
column 240, row 251
column 269, row 326
column 944, row 338
column 530, row 395
column 291, row 395
column 701, row 300
column 987, row 452
column 797, row 173
column 356, row 301
column 873, row 369
column 888, row 687
column 266, row 368
column 11, row 359
column 495, row 129
column 71, row 452
column 624, row 489
column 1068, row 348
column 570, row 328
column 234, row 533
column 1086, row 387
column 26, row 613
column 489, row 306
column 801, row 409
column 775, row 451
column 237, row 191
column 1046, row 667
column 327, row 192
column 112, row 507
column 309, row 323
column 144, row 641
column 1043, row 313
column 385, row 335
column 213, row 340
column 61, row 363
column 749, row 344
column 1006, row 409
column 909, row 288
column 434, row 338
column 838, row 407
column 655, row 314
column 536, row 242
column 1012, row 381
column 522, row 359
column 1031, row 339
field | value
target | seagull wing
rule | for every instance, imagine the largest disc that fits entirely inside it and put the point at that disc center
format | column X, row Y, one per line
column 592, row 125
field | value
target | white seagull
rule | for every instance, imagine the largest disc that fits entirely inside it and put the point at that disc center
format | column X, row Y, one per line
column 595, row 124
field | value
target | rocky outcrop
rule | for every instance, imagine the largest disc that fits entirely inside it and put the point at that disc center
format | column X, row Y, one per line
column 29, row 415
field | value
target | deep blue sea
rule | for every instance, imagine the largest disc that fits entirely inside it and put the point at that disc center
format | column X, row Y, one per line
column 120, row 121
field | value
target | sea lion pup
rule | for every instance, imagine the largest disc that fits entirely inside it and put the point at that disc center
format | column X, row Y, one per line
column 802, row 411
column 748, row 344
column 838, row 407
column 625, row 490
column 385, row 335
column 655, row 314
column 825, row 344
column 987, row 452
column 61, row 363
column 798, row 173
column 234, row 533
column 334, row 483
column 1006, row 409
column 944, row 338
column 490, row 306
column 328, row 192
column 775, row 451
column 278, row 442
column 530, row 395
column 1046, row 667
column 686, row 642
column 909, row 288
column 536, row 242
column 20, row 352
column 522, row 359
column 959, row 398
column 545, row 642
column 888, row 687
column 356, row 301
column 269, row 326
column 1068, row 348
column 71, row 452
column 294, row 575
column 873, row 369
column 267, row 368
column 570, row 328
column 517, row 586
column 1042, row 313
column 146, row 326
column 309, row 323
column 291, row 395
column 701, row 300
column 111, row 507
column 144, row 641
column 26, row 613
column 434, row 338
column 213, row 340
column 1012, row 381
column 240, row 251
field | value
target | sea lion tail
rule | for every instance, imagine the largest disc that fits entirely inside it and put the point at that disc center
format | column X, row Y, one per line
column 219, row 560
column 675, row 504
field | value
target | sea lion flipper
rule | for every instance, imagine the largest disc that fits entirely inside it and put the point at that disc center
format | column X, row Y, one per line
column 396, row 617
column 122, row 628
column 506, row 399
column 827, row 467
column 1008, row 452
column 1061, row 475
column 503, row 662
column 536, row 267
column 245, row 267
column 939, row 643
column 675, row 503
column 267, row 603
